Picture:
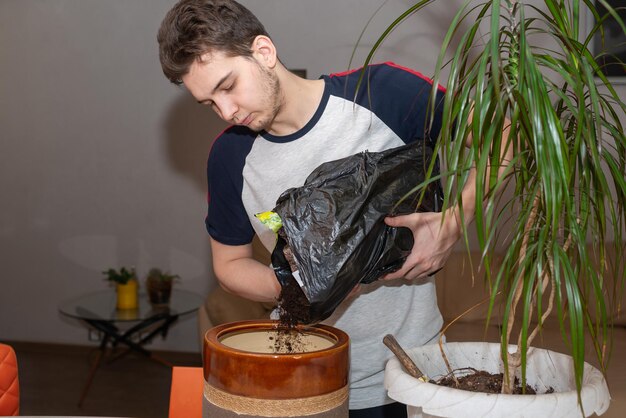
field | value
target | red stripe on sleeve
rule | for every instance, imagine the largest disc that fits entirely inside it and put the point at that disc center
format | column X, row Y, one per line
column 392, row 64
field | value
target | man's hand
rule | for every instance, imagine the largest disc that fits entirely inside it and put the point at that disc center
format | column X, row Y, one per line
column 433, row 242
column 434, row 239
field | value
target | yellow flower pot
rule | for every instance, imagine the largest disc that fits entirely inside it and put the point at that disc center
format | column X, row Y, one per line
column 127, row 295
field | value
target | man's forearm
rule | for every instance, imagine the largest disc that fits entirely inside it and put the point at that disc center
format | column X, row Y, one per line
column 250, row 279
column 238, row 272
column 468, row 194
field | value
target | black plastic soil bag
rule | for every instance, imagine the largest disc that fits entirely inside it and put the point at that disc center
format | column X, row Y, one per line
column 333, row 227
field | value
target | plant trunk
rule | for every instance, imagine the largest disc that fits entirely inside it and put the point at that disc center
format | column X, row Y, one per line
column 514, row 359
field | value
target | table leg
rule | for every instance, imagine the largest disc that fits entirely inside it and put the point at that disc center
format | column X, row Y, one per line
column 112, row 335
column 94, row 368
column 161, row 329
column 126, row 338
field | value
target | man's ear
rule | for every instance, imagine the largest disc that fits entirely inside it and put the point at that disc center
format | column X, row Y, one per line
column 264, row 50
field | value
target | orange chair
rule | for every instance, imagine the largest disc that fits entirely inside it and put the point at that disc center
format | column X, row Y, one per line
column 9, row 385
column 186, row 393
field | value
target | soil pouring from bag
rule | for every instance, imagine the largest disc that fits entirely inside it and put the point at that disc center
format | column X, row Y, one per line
column 293, row 308
column 293, row 305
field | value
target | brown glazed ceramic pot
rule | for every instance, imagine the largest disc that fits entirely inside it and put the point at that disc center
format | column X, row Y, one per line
column 245, row 377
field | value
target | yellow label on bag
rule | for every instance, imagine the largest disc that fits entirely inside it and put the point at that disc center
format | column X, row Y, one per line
column 270, row 219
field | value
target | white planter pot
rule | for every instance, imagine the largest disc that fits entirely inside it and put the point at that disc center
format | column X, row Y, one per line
column 545, row 369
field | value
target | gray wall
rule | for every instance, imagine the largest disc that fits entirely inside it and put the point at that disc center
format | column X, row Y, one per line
column 102, row 161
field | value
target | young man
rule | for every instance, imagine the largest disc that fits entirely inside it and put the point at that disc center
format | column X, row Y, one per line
column 284, row 126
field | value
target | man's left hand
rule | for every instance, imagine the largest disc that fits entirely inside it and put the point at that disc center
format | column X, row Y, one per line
column 433, row 242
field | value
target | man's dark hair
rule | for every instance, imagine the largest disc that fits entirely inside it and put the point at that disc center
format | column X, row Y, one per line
column 194, row 27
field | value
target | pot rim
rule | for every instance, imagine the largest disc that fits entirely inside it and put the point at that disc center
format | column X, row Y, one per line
column 213, row 337
column 275, row 375
column 448, row 401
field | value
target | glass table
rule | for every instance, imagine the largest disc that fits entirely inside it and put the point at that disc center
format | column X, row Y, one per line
column 97, row 309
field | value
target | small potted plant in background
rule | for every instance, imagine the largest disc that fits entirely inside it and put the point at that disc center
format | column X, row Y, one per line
column 159, row 285
column 125, row 286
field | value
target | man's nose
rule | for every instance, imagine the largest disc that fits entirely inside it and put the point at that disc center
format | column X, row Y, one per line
column 228, row 110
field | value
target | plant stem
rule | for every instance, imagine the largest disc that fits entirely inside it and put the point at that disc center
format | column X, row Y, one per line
column 443, row 332
column 514, row 359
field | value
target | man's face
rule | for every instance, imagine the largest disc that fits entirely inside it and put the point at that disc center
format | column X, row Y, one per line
column 240, row 90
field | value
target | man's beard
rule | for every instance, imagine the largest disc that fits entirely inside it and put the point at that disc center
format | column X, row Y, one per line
column 273, row 98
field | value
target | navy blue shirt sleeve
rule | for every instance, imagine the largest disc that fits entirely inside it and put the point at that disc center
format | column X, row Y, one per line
column 227, row 220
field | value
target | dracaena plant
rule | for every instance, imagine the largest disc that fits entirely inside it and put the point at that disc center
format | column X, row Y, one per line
column 566, row 197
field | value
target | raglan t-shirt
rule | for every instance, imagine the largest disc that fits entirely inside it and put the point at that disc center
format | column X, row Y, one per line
column 247, row 171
